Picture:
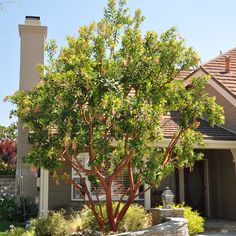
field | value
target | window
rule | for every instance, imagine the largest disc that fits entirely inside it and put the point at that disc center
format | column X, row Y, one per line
column 120, row 184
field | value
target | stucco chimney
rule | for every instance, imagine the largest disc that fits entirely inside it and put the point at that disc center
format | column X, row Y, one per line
column 227, row 64
column 32, row 20
column 32, row 38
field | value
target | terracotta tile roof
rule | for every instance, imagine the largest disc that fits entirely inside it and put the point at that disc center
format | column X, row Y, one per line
column 183, row 74
column 170, row 127
column 217, row 69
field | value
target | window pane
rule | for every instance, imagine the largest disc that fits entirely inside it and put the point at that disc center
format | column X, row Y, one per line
column 75, row 193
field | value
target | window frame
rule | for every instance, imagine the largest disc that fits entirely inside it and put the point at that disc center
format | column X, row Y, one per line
column 115, row 197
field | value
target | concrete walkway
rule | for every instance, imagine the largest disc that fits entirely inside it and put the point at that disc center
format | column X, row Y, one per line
column 219, row 227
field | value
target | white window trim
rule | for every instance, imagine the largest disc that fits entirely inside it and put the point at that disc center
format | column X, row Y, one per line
column 101, row 197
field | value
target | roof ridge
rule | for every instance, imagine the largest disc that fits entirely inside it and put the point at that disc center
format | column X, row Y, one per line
column 221, row 55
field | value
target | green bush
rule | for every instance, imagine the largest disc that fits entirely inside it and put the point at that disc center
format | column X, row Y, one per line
column 52, row 225
column 8, row 208
column 136, row 218
column 20, row 211
column 6, row 169
column 21, row 232
column 26, row 209
column 74, row 223
column 195, row 221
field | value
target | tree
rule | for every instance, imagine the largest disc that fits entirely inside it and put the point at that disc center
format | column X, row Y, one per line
column 8, row 148
column 8, row 132
column 106, row 94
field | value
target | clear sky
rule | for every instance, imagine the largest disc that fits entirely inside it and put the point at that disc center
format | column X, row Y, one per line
column 207, row 25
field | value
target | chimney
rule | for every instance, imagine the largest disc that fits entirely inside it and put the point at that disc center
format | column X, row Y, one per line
column 32, row 38
column 227, row 64
column 32, row 20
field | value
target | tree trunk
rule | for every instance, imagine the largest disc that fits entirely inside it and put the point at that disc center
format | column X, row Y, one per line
column 109, row 206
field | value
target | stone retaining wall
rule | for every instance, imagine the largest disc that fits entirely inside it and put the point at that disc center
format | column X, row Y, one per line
column 159, row 215
column 7, row 185
column 174, row 227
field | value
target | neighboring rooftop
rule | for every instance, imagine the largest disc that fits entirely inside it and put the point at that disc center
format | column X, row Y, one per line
column 223, row 70
column 170, row 127
column 183, row 74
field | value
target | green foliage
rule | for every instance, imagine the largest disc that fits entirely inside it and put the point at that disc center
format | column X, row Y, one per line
column 21, row 232
column 26, row 209
column 5, row 169
column 53, row 224
column 106, row 93
column 8, row 207
column 89, row 83
column 136, row 218
column 195, row 221
column 56, row 224
column 20, row 211
column 8, row 132
column 4, row 225
column 74, row 223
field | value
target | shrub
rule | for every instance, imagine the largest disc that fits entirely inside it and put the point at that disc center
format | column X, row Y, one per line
column 74, row 223
column 8, row 208
column 195, row 221
column 8, row 149
column 6, row 169
column 20, row 211
column 26, row 209
column 21, row 232
column 52, row 225
column 136, row 218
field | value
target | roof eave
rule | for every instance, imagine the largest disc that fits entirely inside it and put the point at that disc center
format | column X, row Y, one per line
column 210, row 144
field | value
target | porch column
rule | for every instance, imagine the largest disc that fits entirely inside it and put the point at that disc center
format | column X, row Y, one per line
column 181, row 185
column 233, row 151
column 43, row 196
column 147, row 198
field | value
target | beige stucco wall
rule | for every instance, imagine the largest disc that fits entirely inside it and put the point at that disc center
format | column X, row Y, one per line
column 229, row 109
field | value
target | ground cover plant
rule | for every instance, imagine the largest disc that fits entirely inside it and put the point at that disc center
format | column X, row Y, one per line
column 106, row 94
column 14, row 210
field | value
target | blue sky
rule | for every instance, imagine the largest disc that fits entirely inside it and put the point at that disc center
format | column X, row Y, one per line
column 207, row 25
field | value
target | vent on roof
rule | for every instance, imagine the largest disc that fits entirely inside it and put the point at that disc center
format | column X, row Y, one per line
column 227, row 64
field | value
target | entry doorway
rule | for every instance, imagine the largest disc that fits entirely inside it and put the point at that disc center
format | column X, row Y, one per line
column 195, row 187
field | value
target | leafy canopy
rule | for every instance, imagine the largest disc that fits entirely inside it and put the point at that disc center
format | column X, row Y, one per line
column 106, row 93
column 111, row 92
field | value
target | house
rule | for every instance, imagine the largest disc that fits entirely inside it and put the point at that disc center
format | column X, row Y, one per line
column 209, row 187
